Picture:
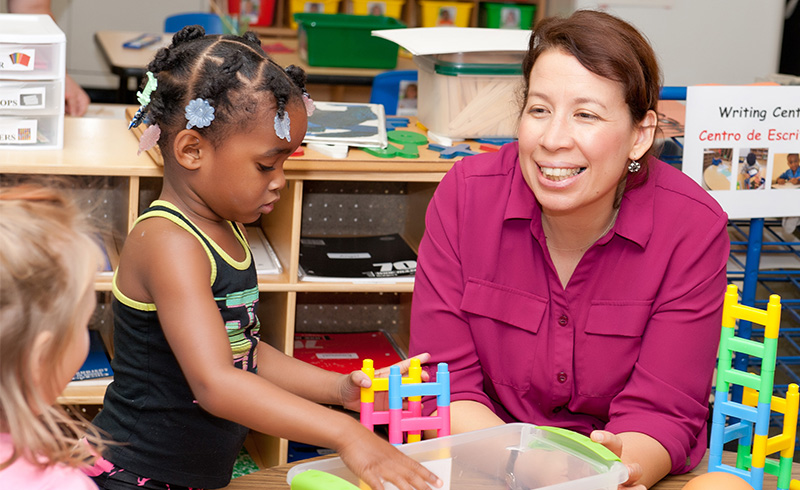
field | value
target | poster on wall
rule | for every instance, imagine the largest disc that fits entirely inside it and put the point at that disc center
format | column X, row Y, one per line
column 742, row 145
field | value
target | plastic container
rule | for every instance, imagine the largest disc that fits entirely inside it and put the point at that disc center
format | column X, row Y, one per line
column 439, row 14
column 507, row 15
column 258, row 12
column 344, row 40
column 387, row 8
column 533, row 457
column 470, row 95
column 32, row 72
column 311, row 7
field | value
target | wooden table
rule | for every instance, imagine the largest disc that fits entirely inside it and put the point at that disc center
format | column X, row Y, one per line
column 275, row 478
column 131, row 63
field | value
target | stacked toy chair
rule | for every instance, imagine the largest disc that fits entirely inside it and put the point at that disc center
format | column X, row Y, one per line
column 749, row 421
column 407, row 421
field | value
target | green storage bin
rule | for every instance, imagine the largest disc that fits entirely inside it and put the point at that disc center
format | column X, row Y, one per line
column 344, row 40
column 508, row 15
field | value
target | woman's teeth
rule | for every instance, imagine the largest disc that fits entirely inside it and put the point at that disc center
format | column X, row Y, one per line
column 557, row 174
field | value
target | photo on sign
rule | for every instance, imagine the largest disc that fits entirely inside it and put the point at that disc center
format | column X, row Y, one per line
column 752, row 174
column 447, row 16
column 717, row 168
column 786, row 171
column 407, row 98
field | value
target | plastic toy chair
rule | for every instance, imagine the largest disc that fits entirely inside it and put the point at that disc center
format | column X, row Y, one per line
column 386, row 88
column 414, row 423
column 783, row 442
column 748, row 416
column 212, row 23
column 369, row 417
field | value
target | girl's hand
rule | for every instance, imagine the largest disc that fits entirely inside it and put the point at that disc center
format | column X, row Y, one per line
column 374, row 461
column 614, row 443
column 350, row 384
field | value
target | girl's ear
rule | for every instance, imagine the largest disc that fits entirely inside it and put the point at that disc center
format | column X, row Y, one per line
column 645, row 135
column 189, row 148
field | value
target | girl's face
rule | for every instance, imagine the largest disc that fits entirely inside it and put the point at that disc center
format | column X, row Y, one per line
column 246, row 175
column 576, row 136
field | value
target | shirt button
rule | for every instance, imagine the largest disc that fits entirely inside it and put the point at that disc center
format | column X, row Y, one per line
column 562, row 320
column 562, row 377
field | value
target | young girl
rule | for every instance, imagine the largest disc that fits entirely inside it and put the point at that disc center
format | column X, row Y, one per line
column 191, row 376
column 48, row 262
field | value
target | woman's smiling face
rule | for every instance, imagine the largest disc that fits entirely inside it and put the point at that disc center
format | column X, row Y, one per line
column 576, row 136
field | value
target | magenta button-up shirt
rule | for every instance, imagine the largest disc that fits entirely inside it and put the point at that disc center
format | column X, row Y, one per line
column 629, row 345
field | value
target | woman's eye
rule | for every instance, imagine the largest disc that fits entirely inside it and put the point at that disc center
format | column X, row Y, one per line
column 536, row 111
column 586, row 115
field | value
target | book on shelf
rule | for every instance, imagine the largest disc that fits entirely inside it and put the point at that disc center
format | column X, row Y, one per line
column 344, row 352
column 378, row 258
column 96, row 369
column 350, row 124
column 108, row 245
column 263, row 254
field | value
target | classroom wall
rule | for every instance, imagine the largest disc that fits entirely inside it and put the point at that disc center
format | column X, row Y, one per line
column 80, row 19
column 702, row 41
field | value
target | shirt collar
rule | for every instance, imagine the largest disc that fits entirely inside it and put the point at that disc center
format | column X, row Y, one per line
column 635, row 219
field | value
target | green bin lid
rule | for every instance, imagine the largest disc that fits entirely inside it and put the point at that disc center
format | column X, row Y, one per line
column 475, row 63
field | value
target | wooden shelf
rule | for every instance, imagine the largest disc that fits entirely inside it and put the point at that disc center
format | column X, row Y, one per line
column 100, row 155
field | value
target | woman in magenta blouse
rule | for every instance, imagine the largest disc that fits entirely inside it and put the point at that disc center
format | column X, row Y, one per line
column 571, row 279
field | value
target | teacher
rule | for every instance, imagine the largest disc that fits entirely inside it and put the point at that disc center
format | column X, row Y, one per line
column 572, row 279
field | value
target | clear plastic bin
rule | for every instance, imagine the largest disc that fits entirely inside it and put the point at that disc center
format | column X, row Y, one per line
column 534, row 457
column 470, row 95
column 32, row 47
column 34, row 97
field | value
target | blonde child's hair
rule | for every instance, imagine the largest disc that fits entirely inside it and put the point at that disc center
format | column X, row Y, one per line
column 48, row 261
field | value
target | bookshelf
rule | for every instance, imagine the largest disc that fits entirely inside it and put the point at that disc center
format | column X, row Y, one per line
column 361, row 194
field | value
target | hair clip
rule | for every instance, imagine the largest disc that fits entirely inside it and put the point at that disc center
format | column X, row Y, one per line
column 144, row 96
column 199, row 113
column 149, row 138
column 309, row 102
column 282, row 126
column 137, row 118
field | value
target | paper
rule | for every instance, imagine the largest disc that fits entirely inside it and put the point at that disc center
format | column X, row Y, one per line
column 437, row 40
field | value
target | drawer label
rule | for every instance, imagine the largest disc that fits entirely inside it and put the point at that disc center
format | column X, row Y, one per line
column 22, row 98
column 18, row 131
column 17, row 59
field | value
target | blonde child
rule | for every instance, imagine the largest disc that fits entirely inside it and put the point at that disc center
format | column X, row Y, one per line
column 191, row 376
column 48, row 262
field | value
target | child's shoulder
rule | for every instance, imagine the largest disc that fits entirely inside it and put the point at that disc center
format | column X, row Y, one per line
column 23, row 474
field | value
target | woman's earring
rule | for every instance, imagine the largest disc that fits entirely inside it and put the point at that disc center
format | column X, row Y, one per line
column 634, row 166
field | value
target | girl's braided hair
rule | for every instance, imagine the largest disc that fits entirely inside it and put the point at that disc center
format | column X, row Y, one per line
column 231, row 72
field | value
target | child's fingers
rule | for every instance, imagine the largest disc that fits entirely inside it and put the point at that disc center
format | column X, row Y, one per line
column 404, row 364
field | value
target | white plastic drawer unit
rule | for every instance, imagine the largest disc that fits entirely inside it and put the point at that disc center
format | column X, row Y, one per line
column 29, row 98
column 32, row 47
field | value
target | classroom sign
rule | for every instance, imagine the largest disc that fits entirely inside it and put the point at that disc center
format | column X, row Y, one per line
column 741, row 144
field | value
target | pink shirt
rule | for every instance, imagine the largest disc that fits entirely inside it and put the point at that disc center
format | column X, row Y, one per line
column 629, row 345
column 22, row 474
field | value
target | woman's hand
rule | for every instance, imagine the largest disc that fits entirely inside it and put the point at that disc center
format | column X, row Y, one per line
column 350, row 384
column 613, row 443
column 374, row 461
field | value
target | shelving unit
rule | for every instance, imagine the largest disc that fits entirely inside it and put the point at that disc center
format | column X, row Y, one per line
column 361, row 194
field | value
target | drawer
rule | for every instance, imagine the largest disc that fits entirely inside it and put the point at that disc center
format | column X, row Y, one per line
column 35, row 97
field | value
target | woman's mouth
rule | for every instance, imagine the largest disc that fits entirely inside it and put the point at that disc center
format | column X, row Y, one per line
column 559, row 174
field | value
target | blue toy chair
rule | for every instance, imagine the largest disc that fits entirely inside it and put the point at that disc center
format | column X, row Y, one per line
column 212, row 23
column 386, row 88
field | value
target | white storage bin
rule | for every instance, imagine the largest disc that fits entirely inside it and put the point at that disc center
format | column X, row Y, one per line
column 35, row 97
column 32, row 132
column 32, row 72
column 32, row 47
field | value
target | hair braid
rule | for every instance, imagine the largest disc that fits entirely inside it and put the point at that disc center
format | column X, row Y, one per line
column 232, row 73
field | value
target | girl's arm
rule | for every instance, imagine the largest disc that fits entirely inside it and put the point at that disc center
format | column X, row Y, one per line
column 171, row 269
